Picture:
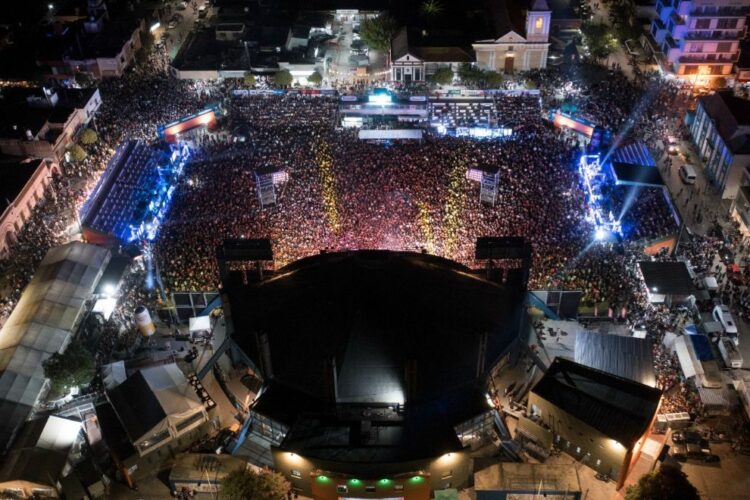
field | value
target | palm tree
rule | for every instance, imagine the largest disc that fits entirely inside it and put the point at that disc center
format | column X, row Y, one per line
column 432, row 7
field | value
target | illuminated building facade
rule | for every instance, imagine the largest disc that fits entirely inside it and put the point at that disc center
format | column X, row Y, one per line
column 699, row 39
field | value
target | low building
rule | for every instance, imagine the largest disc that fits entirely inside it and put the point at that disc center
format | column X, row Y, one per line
column 39, row 459
column 520, row 480
column 720, row 130
column 598, row 418
column 42, row 122
column 42, row 323
column 415, row 55
column 156, row 406
column 628, row 357
column 101, row 45
column 22, row 184
column 520, row 37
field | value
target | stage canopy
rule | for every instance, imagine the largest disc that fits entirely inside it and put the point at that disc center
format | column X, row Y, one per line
column 42, row 324
column 633, row 165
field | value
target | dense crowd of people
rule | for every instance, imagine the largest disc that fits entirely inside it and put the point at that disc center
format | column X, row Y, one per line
column 339, row 192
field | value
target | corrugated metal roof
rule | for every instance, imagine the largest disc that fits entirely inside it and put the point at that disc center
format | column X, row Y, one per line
column 627, row 357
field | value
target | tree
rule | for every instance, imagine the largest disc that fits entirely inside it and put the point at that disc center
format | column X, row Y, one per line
column 283, row 78
column 442, row 76
column 378, row 31
column 147, row 40
column 667, row 483
column 468, row 73
column 82, row 79
column 315, row 78
column 492, row 79
column 88, row 137
column 431, row 8
column 244, row 484
column 249, row 80
column 600, row 39
column 72, row 368
column 76, row 152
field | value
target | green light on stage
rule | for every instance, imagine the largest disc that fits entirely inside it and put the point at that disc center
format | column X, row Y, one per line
column 385, row 482
column 355, row 482
column 416, row 479
column 323, row 479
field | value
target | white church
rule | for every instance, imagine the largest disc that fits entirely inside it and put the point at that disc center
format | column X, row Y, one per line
column 521, row 37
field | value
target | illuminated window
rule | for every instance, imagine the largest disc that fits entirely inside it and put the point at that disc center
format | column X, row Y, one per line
column 539, row 23
column 296, row 473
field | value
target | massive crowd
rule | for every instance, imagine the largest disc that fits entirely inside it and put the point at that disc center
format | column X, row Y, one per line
column 343, row 193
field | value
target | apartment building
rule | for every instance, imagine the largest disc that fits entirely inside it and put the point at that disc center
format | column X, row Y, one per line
column 699, row 40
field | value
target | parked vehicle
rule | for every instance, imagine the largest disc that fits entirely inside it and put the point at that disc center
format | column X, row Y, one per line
column 723, row 315
column 687, row 174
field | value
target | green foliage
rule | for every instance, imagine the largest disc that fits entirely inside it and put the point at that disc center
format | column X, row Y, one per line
column 667, row 483
column 442, row 76
column 600, row 39
column 248, row 485
column 622, row 17
column 249, row 80
column 77, row 153
column 431, row 8
column 468, row 73
column 377, row 32
column 72, row 368
column 315, row 78
column 147, row 40
column 83, row 79
column 88, row 137
column 492, row 79
column 283, row 78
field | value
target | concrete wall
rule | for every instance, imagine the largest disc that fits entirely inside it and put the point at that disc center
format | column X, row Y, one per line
column 580, row 439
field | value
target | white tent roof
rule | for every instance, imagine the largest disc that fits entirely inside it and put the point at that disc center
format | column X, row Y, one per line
column 172, row 389
column 114, row 374
column 690, row 368
column 200, row 323
column 42, row 323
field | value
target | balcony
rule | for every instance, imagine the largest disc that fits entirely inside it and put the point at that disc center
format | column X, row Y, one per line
column 709, row 58
column 721, row 12
column 676, row 18
column 715, row 35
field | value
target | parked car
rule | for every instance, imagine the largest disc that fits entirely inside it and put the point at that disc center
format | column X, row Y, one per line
column 673, row 145
column 723, row 315
column 687, row 174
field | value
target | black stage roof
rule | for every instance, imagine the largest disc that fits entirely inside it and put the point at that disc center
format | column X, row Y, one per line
column 617, row 407
column 382, row 317
column 667, row 278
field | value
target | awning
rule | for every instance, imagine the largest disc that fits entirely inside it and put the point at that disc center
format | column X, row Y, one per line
column 683, row 355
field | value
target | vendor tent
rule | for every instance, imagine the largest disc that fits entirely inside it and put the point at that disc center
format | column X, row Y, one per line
column 41, row 324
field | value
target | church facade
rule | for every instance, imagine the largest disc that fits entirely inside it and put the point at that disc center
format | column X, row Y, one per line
column 521, row 39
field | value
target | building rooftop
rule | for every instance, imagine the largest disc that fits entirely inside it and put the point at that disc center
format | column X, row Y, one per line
column 14, row 174
column 731, row 115
column 627, row 357
column 543, row 478
column 667, row 278
column 615, row 406
column 430, row 46
column 396, row 328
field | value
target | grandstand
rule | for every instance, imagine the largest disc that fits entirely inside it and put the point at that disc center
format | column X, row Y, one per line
column 133, row 194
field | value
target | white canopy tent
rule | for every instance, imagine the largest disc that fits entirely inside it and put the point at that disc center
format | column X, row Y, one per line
column 42, row 323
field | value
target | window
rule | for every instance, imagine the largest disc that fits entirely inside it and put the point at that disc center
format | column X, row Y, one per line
column 370, row 488
column 447, row 475
column 578, row 449
column 342, row 489
column 398, row 487
column 724, row 47
column 691, row 70
column 295, row 473
column 702, row 24
column 598, row 462
column 539, row 23
column 726, row 24
column 695, row 47
column 510, row 48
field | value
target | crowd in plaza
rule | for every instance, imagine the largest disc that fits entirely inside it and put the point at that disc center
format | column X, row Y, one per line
column 344, row 193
